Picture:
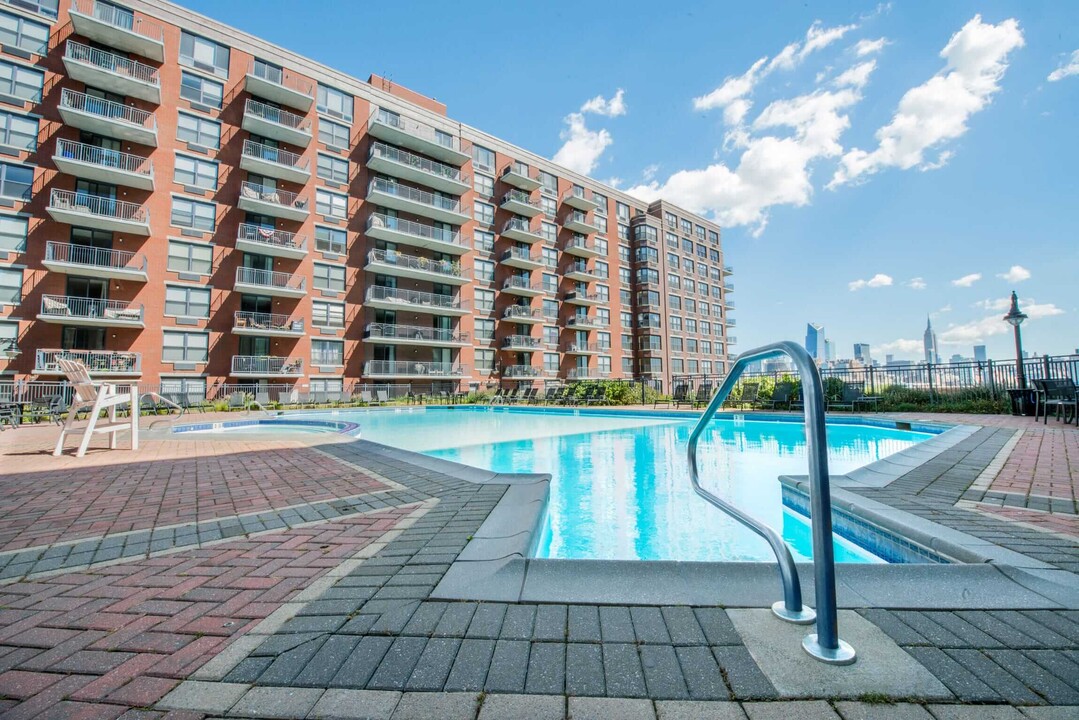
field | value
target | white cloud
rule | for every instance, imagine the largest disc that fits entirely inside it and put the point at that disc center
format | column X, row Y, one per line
column 1017, row 273
column 915, row 283
column 977, row 330
column 732, row 89
column 967, row 280
column 649, row 172
column 938, row 110
column 877, row 281
column 613, row 182
column 581, row 147
column 611, row 108
column 1066, row 69
column 901, row 345
column 868, row 47
column 856, row 76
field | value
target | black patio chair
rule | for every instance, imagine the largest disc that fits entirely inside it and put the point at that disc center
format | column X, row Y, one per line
column 750, row 395
column 704, row 394
column 781, row 395
column 677, row 397
column 1061, row 396
column 50, row 407
column 848, row 397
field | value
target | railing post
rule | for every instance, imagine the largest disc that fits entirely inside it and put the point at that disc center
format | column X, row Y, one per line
column 929, row 372
column 992, row 379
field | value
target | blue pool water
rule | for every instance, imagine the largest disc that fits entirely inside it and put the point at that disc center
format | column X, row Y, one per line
column 620, row 487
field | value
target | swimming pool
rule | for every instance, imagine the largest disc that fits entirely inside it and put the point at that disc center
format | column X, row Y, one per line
column 620, row 488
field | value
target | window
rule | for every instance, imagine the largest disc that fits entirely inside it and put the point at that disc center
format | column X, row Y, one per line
column 16, row 181
column 550, row 336
column 604, row 316
column 713, row 237
column 327, row 314
column 485, row 300
column 332, row 168
column 706, row 367
column 604, row 364
column 485, row 329
column 624, row 297
column 549, row 231
column 484, row 213
column 550, row 308
column 332, row 134
column 691, row 325
column 330, row 204
column 185, row 347
column 484, row 270
column 200, row 90
column 187, row 301
column 10, row 286
column 18, row 132
column 674, row 302
column 687, row 265
column 602, row 200
column 484, row 184
column 687, row 227
column 627, row 366
column 549, row 256
column 24, row 34
column 329, row 277
column 483, row 241
column 676, row 344
column 329, row 385
column 706, row 347
column 330, row 240
column 623, row 231
column 21, row 82
column 676, row 323
column 195, row 172
column 674, row 281
column 690, row 285
column 550, row 282
column 198, row 131
column 603, row 293
column 334, row 103
column 603, row 339
column 485, row 360
column 548, row 183
column 601, row 246
column 550, row 362
column 691, row 344
column 622, row 211
column 190, row 258
column 13, row 233
column 713, row 255
column 191, row 214
column 482, row 158
column 603, row 270
column 203, row 54
column 47, row 8
column 327, row 352
column 548, row 205
column 600, row 222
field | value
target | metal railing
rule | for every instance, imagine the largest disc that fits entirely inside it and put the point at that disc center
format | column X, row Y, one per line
column 581, row 242
column 579, row 193
column 407, row 192
column 578, row 373
column 579, row 295
column 262, row 193
column 270, row 278
column 825, row 644
column 585, row 320
column 519, row 168
column 522, row 371
column 413, row 297
column 519, row 196
column 266, row 321
column 575, row 347
column 520, row 225
column 90, row 308
column 521, row 311
column 413, row 127
column 373, row 368
column 279, row 76
column 403, row 157
column 408, row 227
column 581, row 267
column 107, row 109
column 414, row 332
column 103, row 157
column 266, row 364
column 112, row 62
column 520, row 254
column 392, row 257
column 94, row 256
column 96, row 361
column 275, row 155
column 119, row 18
column 523, row 283
column 276, row 115
column 271, row 237
column 100, row 205
column 522, row 341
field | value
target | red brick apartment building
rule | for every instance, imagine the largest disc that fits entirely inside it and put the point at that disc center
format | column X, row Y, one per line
column 185, row 204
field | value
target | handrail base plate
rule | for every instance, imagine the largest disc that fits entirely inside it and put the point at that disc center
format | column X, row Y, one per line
column 805, row 616
column 842, row 655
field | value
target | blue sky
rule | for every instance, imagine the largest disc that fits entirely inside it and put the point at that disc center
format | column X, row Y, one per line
column 917, row 170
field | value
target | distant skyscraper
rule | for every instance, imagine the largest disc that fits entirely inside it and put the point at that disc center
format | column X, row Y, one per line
column 929, row 341
column 861, row 353
column 980, row 354
column 815, row 341
column 829, row 350
column 889, row 359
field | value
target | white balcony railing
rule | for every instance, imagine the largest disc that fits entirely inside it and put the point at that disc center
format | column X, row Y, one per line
column 522, row 341
column 119, row 17
column 266, row 365
column 111, row 62
column 254, row 191
column 275, row 155
column 413, row 297
column 85, row 308
column 375, row 368
column 408, row 227
column 522, row 371
column 519, row 196
column 275, row 322
column 99, row 205
column 392, row 257
column 94, row 257
column 276, row 115
column 431, row 167
column 103, row 157
column 422, row 197
column 414, row 332
column 96, row 361
column 107, row 109
column 519, row 254
column 522, row 311
column 578, row 373
column 412, row 127
column 271, row 237
column 284, row 78
column 270, row 279
column 519, row 224
column 523, row 283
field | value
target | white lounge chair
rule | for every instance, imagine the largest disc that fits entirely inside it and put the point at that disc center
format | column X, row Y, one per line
column 94, row 397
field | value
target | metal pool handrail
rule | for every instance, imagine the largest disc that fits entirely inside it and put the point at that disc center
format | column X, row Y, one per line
column 824, row 645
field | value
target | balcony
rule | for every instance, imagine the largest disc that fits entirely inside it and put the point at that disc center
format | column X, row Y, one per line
column 728, row 269
column 275, row 123
column 413, row 370
column 579, row 198
column 578, row 222
column 406, row 232
column 520, row 230
column 522, row 343
column 276, row 203
column 728, row 304
column 268, row 282
column 402, row 164
column 98, row 212
column 575, row 348
column 520, row 176
column 98, row 262
column 519, row 203
column 391, row 262
column 585, row 322
column 385, row 298
column 730, row 322
column 731, row 340
column 266, row 324
column 105, row 117
column 392, row 334
column 521, row 286
column 581, row 246
column 418, row 202
column 414, row 135
column 279, row 86
column 119, row 28
column 523, row 314
column 584, row 373
column 100, row 363
column 265, row 366
column 274, row 162
column 90, row 162
column 522, row 371
column 728, row 287
column 109, row 71
column 581, row 272
column 577, row 297
column 268, row 241
column 90, row 312
column 520, row 258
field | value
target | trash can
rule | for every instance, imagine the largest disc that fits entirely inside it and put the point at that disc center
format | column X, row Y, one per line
column 1024, row 402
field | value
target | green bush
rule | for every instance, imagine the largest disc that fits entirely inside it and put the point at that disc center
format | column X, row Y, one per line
column 616, row 392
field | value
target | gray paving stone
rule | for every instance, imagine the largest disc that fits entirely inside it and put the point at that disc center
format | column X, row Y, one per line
column 701, row 673
column 455, row 620
column 1012, row 689
column 325, row 663
column 981, row 712
column 207, row 697
column 469, row 671
column 648, row 625
column 683, row 626
column 437, row 706
column 1037, row 678
column 398, row 663
column 1059, row 712
column 286, row 666
column 881, row 711
column 957, row 678
column 434, row 664
column 744, row 677
column 801, row 709
column 584, row 670
column 698, row 710
column 584, row 624
column 509, row 667
column 622, row 671
column 248, row 670
column 314, row 623
column 1057, row 663
column 616, row 625
column 550, row 623
column 425, row 619
column 590, row 708
column 276, row 702
column 923, row 624
column 1039, row 634
column 662, row 673
column 717, row 626
column 546, row 668
column 362, row 662
column 487, row 621
column 523, row 707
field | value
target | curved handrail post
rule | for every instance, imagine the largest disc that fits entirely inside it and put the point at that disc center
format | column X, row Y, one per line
column 825, row 644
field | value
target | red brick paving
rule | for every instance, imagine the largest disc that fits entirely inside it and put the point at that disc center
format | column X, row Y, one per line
column 1044, row 462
